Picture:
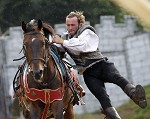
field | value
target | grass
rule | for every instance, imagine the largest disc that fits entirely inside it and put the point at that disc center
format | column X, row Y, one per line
column 127, row 111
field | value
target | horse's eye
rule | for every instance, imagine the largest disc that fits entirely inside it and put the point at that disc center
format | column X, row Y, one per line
column 43, row 44
column 24, row 47
column 47, row 42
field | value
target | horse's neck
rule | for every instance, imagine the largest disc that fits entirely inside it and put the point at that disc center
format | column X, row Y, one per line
column 51, row 74
column 50, row 65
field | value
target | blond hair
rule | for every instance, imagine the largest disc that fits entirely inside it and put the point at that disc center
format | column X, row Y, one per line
column 79, row 15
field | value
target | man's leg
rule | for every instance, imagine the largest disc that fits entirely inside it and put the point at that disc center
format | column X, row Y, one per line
column 111, row 113
column 136, row 93
column 97, row 88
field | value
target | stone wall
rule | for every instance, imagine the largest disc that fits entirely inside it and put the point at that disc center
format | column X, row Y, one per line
column 10, row 46
column 120, row 42
column 137, row 53
column 4, row 83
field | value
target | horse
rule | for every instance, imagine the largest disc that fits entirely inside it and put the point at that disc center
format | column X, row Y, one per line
column 42, row 88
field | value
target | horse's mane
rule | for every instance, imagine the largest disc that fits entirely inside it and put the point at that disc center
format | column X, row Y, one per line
column 48, row 30
column 31, row 26
column 46, row 27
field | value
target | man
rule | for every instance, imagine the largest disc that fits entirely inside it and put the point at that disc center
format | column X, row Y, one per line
column 81, row 43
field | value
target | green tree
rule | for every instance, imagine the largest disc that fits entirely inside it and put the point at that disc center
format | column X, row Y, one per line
column 12, row 12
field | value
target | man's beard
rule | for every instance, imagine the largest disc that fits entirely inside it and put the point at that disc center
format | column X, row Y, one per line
column 71, row 35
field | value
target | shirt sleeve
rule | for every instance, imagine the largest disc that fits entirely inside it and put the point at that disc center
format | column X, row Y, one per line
column 58, row 45
column 87, row 41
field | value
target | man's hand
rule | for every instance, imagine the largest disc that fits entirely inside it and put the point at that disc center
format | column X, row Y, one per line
column 58, row 39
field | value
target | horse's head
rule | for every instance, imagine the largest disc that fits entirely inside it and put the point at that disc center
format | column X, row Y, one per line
column 35, row 46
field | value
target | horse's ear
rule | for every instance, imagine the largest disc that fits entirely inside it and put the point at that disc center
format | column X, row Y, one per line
column 23, row 26
column 40, row 24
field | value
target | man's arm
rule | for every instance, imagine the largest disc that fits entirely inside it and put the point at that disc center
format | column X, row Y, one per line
column 88, row 41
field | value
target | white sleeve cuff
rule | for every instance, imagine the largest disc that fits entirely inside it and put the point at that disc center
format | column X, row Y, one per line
column 65, row 43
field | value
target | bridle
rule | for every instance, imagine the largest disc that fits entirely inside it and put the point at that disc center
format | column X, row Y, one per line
column 44, row 59
column 45, row 40
column 45, row 55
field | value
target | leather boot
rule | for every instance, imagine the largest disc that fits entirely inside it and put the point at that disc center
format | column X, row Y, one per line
column 137, row 94
column 111, row 113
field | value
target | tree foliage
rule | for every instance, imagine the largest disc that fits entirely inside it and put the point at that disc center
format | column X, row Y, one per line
column 13, row 12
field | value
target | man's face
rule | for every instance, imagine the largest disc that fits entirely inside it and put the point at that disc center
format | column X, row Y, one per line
column 72, row 25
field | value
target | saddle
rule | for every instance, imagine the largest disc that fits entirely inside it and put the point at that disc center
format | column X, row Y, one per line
column 70, row 76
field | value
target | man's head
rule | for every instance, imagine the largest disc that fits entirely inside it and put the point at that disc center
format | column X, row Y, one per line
column 74, row 21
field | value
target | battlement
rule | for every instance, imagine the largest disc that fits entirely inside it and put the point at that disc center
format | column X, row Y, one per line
column 129, row 21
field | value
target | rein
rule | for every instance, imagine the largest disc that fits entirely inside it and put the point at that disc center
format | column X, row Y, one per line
column 46, row 84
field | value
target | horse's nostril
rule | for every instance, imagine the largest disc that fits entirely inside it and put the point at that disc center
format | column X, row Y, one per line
column 41, row 71
column 38, row 74
column 32, row 73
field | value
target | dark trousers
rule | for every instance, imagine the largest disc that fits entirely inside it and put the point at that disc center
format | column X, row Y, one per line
column 100, row 73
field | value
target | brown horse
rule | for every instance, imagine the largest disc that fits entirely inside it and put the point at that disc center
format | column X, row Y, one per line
column 43, row 88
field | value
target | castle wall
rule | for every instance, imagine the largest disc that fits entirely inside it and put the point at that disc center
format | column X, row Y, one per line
column 137, row 53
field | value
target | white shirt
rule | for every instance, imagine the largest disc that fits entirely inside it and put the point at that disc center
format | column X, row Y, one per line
column 87, row 41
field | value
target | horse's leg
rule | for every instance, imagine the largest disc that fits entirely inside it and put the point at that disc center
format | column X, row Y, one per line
column 69, row 113
column 57, row 109
column 26, row 114
column 37, row 110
